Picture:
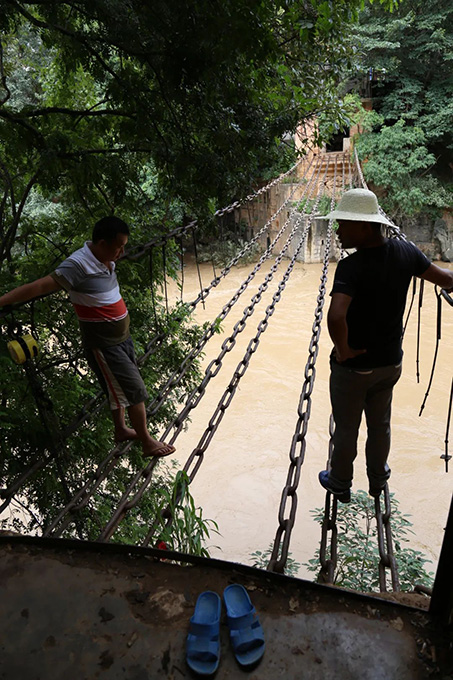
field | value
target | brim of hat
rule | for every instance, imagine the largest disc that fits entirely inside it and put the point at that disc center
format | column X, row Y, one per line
column 355, row 217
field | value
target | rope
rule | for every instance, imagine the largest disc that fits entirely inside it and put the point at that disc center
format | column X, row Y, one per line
column 445, row 456
column 414, row 290
column 438, row 337
column 419, row 315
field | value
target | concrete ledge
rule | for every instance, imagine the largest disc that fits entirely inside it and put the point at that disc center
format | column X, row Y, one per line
column 85, row 610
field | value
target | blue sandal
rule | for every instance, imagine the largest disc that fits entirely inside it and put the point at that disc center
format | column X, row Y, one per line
column 203, row 646
column 246, row 634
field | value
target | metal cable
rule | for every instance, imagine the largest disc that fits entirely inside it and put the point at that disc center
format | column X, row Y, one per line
column 197, row 456
column 95, row 479
column 193, row 400
column 385, row 543
column 283, row 535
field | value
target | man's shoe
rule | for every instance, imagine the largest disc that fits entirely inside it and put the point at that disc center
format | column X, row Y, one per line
column 342, row 495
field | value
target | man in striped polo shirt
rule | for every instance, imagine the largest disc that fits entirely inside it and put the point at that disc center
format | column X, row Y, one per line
column 88, row 275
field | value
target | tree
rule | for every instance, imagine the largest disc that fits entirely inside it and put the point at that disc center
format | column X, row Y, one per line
column 408, row 140
column 358, row 554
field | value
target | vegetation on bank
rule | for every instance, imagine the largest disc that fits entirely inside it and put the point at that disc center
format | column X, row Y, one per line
column 357, row 548
column 407, row 145
column 358, row 554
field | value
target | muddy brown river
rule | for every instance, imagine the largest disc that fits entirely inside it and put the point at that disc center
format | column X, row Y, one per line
column 240, row 482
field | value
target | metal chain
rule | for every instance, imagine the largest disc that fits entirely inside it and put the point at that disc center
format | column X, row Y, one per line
column 282, row 538
column 96, row 403
column 81, row 498
column 179, row 232
column 197, row 456
column 194, row 399
column 176, row 377
column 385, row 543
column 395, row 231
column 329, row 565
column 204, row 292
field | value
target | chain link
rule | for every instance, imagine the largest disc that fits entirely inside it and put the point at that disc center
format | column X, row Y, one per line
column 395, row 231
column 289, row 494
column 329, row 565
column 385, row 543
column 205, row 291
column 95, row 404
column 196, row 457
column 180, row 232
column 197, row 394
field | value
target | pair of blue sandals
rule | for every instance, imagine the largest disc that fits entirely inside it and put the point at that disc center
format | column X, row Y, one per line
column 246, row 633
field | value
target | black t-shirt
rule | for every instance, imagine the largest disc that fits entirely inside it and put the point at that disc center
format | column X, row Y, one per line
column 377, row 279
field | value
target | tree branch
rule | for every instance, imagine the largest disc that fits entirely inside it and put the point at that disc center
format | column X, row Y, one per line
column 3, row 78
column 75, row 113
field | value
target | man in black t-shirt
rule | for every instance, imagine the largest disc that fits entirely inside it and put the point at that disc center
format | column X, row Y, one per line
column 365, row 322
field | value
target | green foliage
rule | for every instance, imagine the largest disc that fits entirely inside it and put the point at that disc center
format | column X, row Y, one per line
column 358, row 554
column 223, row 251
column 261, row 560
column 408, row 145
column 306, row 205
column 188, row 530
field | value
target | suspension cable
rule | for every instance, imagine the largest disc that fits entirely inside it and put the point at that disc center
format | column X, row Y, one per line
column 105, row 467
column 193, row 400
column 197, row 456
column 283, row 535
column 95, row 404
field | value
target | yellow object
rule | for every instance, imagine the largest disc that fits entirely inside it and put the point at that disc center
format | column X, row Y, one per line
column 23, row 348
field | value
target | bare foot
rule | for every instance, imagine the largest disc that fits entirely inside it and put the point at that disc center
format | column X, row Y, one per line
column 158, row 449
column 125, row 434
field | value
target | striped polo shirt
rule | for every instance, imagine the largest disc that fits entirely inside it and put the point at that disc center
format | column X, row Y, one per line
column 94, row 291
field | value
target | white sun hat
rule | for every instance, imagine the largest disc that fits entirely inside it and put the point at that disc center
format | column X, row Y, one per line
column 358, row 205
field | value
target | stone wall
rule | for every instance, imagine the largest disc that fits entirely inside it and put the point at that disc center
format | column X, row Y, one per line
column 433, row 237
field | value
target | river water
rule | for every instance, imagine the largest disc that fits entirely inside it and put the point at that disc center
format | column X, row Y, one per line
column 240, row 482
